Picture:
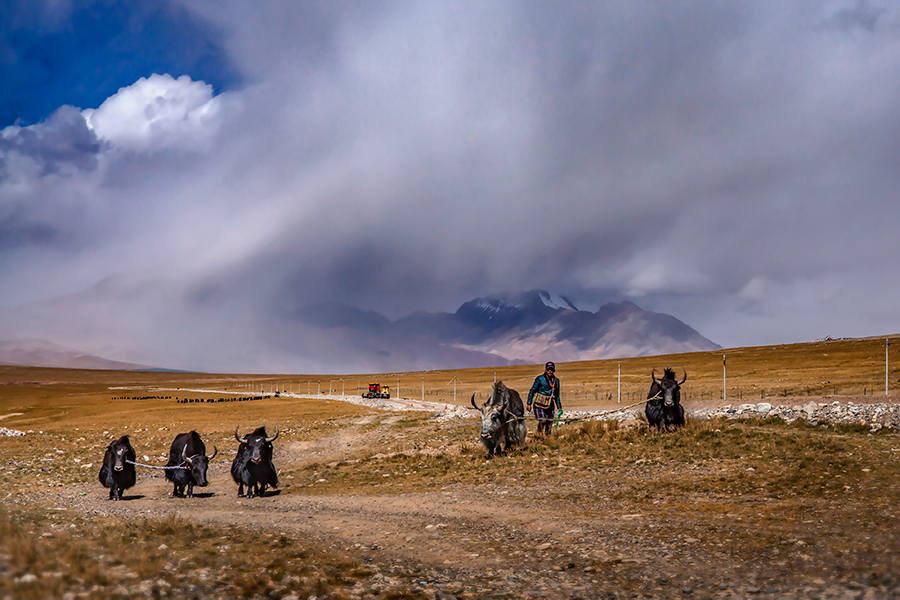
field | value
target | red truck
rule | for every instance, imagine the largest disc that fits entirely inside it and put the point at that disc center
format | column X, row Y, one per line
column 376, row 390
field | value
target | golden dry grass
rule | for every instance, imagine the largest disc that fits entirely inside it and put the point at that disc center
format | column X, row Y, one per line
column 816, row 502
column 852, row 367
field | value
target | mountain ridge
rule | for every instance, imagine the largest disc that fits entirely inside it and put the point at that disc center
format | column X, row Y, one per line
column 529, row 327
column 495, row 330
column 34, row 352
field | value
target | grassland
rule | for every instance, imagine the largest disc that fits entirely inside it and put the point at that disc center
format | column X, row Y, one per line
column 393, row 505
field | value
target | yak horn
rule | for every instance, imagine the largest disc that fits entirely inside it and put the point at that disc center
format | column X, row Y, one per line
column 272, row 439
column 653, row 375
column 215, row 451
column 185, row 456
column 473, row 402
column 684, row 378
column 237, row 437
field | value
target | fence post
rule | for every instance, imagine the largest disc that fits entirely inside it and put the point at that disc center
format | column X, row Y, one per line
column 724, row 381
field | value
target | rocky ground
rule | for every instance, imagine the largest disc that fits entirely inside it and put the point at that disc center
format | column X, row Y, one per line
column 863, row 410
column 570, row 533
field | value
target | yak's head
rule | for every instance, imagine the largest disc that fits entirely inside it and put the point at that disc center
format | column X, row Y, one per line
column 493, row 412
column 121, row 450
column 669, row 389
column 257, row 443
column 198, row 464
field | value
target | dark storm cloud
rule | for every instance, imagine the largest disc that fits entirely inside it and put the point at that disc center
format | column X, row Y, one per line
column 15, row 232
column 638, row 147
column 731, row 163
column 62, row 148
column 62, row 142
column 862, row 15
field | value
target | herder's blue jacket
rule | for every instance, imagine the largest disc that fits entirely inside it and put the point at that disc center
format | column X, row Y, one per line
column 542, row 386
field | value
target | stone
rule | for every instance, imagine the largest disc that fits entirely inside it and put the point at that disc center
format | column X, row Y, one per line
column 763, row 407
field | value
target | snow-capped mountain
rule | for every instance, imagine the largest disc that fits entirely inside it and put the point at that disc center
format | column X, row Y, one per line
column 529, row 327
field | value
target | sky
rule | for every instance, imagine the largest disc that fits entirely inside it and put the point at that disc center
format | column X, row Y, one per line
column 179, row 177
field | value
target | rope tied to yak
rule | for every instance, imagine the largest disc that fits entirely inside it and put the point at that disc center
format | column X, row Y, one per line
column 137, row 464
column 513, row 416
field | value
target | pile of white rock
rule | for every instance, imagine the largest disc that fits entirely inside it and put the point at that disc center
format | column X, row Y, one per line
column 442, row 411
column 4, row 432
column 874, row 416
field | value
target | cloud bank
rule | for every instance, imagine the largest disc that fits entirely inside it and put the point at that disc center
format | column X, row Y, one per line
column 732, row 164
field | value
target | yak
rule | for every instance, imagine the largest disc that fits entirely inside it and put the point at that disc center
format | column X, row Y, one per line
column 117, row 473
column 502, row 420
column 253, row 466
column 663, row 407
column 187, row 455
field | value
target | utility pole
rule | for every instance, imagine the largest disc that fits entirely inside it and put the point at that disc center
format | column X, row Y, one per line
column 619, row 389
column 398, row 388
column 423, row 389
column 887, row 342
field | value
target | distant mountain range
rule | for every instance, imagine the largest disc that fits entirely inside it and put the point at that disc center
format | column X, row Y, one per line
column 41, row 353
column 525, row 328
column 531, row 327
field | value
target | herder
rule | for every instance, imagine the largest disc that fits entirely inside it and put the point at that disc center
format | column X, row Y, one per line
column 543, row 392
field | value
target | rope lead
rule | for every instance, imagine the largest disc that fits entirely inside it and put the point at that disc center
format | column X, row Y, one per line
column 137, row 464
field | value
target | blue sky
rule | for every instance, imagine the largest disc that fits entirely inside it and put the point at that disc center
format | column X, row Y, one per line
column 81, row 53
column 178, row 178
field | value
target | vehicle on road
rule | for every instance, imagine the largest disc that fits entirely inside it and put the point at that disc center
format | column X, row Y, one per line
column 376, row 390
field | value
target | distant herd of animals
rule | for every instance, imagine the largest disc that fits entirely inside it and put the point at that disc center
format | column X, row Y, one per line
column 197, row 400
column 188, row 463
column 502, row 427
column 503, row 414
column 214, row 400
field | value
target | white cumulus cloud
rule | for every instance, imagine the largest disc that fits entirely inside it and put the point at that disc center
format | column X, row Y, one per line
column 157, row 112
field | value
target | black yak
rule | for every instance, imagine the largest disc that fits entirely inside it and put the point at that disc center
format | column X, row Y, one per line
column 664, row 400
column 188, row 452
column 117, row 473
column 253, row 466
column 502, row 420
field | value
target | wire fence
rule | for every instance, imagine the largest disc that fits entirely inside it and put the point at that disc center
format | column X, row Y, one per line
column 830, row 368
